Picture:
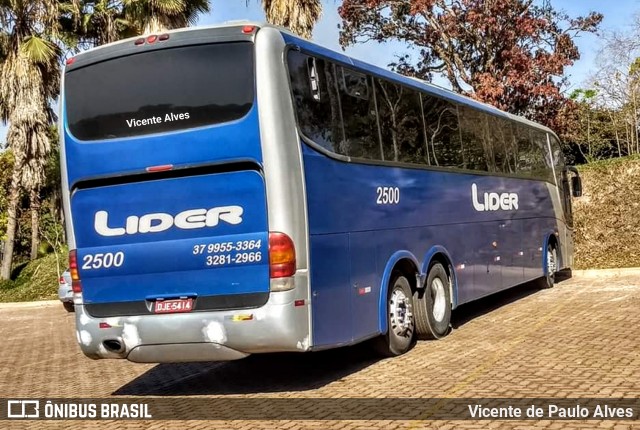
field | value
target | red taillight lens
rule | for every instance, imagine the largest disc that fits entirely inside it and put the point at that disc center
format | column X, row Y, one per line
column 70, row 60
column 152, row 38
column 139, row 41
column 282, row 255
column 76, row 285
column 248, row 29
column 161, row 168
column 61, row 280
column 163, row 37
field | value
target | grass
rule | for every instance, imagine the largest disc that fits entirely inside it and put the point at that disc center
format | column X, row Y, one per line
column 38, row 280
column 607, row 224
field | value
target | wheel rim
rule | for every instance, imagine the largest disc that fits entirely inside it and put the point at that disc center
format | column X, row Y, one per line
column 400, row 312
column 438, row 297
column 551, row 262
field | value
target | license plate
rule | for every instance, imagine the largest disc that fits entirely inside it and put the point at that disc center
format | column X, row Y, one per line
column 171, row 306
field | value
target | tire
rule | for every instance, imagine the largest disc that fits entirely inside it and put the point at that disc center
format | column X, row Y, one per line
column 400, row 336
column 432, row 305
column 68, row 306
column 550, row 268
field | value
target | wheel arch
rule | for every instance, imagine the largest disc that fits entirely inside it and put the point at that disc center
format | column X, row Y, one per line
column 551, row 239
column 406, row 262
column 440, row 254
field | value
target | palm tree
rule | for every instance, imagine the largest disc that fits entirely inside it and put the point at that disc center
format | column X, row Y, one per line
column 94, row 23
column 152, row 16
column 300, row 16
column 29, row 75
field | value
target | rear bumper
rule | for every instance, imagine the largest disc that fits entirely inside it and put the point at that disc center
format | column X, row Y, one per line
column 65, row 293
column 277, row 326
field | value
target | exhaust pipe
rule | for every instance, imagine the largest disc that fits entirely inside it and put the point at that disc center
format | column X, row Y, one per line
column 114, row 345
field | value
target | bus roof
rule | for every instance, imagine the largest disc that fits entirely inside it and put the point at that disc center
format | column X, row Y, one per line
column 116, row 48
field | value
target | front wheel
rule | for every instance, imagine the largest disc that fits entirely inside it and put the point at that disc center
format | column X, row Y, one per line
column 432, row 305
column 551, row 267
column 400, row 332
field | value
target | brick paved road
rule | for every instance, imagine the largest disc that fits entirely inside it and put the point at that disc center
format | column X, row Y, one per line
column 580, row 339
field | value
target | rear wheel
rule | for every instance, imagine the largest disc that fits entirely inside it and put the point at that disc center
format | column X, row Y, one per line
column 400, row 333
column 68, row 306
column 432, row 305
column 551, row 267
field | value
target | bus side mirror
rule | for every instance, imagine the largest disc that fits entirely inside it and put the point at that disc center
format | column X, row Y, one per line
column 576, row 182
column 576, row 186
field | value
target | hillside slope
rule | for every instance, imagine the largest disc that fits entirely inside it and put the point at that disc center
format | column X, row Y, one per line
column 607, row 216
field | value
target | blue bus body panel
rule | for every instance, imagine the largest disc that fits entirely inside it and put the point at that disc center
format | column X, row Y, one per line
column 491, row 250
column 173, row 261
column 163, row 264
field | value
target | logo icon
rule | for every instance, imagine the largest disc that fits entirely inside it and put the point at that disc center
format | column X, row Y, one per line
column 23, row 409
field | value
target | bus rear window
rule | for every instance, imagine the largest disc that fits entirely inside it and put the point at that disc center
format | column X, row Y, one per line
column 160, row 91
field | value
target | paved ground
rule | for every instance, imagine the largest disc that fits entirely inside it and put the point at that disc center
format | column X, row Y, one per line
column 580, row 339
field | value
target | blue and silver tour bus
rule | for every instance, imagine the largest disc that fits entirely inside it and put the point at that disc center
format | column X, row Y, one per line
column 236, row 190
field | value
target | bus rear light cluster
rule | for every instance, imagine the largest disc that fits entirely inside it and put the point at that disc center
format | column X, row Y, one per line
column 76, row 285
column 282, row 261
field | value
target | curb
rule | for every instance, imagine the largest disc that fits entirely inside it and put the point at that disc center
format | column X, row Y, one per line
column 38, row 304
column 598, row 273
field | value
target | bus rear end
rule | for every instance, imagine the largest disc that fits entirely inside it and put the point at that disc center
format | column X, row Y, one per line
column 172, row 256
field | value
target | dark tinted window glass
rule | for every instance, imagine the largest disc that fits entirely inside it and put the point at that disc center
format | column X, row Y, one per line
column 359, row 115
column 400, row 119
column 541, row 167
column 442, row 132
column 526, row 155
column 503, row 142
column 160, row 91
column 533, row 154
column 316, row 98
column 476, row 149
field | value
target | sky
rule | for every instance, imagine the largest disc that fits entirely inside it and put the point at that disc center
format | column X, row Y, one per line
column 618, row 15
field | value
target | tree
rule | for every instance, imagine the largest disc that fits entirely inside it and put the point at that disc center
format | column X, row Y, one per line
column 152, row 16
column 617, row 80
column 508, row 53
column 93, row 23
column 29, row 79
column 299, row 16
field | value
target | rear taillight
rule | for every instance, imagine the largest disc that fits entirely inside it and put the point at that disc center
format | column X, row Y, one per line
column 76, row 285
column 61, row 280
column 282, row 256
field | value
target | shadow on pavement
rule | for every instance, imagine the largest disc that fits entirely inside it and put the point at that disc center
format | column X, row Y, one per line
column 259, row 373
column 470, row 311
column 272, row 373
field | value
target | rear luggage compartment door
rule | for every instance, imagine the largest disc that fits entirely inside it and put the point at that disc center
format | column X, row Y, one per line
column 202, row 237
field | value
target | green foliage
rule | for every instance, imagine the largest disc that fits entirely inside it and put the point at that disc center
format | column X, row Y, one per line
column 38, row 280
column 6, row 164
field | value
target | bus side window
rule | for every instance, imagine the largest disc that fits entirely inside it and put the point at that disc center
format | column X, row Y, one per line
column 442, row 132
column 526, row 155
column 359, row 117
column 400, row 119
column 473, row 132
column 354, row 83
column 502, row 140
column 316, row 100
